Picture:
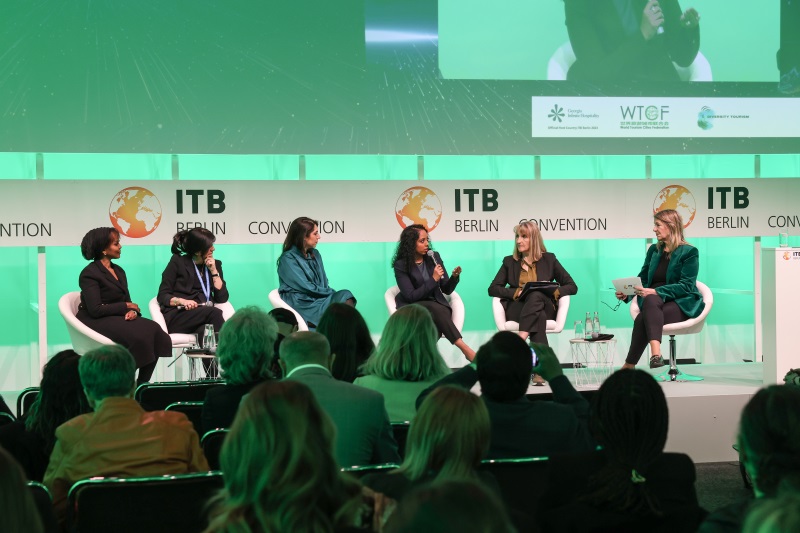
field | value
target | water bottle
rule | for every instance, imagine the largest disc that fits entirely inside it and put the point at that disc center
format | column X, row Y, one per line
column 587, row 327
column 209, row 340
column 595, row 325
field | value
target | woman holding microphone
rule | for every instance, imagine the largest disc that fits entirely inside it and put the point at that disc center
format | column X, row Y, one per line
column 423, row 280
column 669, row 288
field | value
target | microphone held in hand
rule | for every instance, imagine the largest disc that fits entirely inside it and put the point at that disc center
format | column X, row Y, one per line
column 432, row 256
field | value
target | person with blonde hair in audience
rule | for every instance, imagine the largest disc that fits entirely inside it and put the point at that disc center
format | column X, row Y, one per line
column 406, row 361
column 448, row 439
column 18, row 511
column 245, row 350
column 119, row 438
column 280, row 472
column 774, row 515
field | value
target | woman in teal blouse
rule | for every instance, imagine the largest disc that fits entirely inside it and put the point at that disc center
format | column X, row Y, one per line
column 303, row 283
column 669, row 288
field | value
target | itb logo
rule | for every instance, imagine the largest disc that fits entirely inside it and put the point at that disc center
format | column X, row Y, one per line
column 556, row 114
column 135, row 212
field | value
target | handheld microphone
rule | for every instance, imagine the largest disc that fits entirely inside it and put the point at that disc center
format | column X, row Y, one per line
column 432, row 256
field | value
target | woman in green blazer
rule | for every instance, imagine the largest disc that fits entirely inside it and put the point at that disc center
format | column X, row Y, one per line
column 669, row 288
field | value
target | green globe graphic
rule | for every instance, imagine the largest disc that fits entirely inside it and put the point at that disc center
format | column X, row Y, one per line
column 418, row 205
column 679, row 198
column 135, row 212
column 651, row 112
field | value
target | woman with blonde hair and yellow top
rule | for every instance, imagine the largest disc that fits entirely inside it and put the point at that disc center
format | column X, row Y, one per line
column 530, row 262
column 406, row 361
column 280, row 473
column 447, row 440
column 669, row 288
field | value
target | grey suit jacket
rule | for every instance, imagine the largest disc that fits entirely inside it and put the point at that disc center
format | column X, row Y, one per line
column 363, row 432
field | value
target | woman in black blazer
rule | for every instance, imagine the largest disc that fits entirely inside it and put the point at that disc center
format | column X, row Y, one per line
column 106, row 305
column 530, row 262
column 422, row 280
column 191, row 284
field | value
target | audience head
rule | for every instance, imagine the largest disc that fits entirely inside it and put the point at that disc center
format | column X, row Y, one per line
column 407, row 349
column 107, row 371
column 96, row 241
column 672, row 219
column 280, row 472
column 769, row 438
column 305, row 348
column 504, row 367
column 349, row 337
column 18, row 511
column 193, row 241
column 299, row 230
column 629, row 419
column 246, row 344
column 60, row 397
column 528, row 241
column 449, row 436
column 450, row 507
column 774, row 515
column 407, row 245
column 287, row 322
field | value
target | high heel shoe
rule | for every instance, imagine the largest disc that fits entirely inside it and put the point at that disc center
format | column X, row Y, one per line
column 656, row 361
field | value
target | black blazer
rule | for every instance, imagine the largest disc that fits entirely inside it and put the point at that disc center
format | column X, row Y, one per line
column 101, row 294
column 506, row 282
column 178, row 280
column 413, row 288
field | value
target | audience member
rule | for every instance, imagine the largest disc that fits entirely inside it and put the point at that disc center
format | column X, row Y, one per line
column 630, row 484
column 18, row 511
column 244, row 352
column 60, row 398
column 520, row 427
column 119, row 438
column 349, row 337
column 287, row 324
column 280, row 473
column 447, row 440
column 792, row 377
column 406, row 361
column 452, row 506
column 769, row 449
column 363, row 433
column 774, row 515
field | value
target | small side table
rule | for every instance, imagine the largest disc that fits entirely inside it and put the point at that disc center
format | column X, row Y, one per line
column 193, row 355
column 597, row 358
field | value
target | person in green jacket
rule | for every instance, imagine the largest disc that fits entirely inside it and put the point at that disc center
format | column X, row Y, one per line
column 669, row 288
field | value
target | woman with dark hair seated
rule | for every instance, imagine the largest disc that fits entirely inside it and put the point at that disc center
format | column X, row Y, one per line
column 106, row 305
column 630, row 484
column 60, row 398
column 422, row 279
column 447, row 440
column 280, row 473
column 349, row 337
column 191, row 284
column 405, row 363
column 303, row 282
column 244, row 354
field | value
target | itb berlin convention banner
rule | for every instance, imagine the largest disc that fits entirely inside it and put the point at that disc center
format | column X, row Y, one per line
column 58, row 213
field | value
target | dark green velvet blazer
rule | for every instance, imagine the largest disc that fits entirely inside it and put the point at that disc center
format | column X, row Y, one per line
column 681, row 286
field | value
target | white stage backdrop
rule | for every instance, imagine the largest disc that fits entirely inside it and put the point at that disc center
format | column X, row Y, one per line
column 557, row 116
column 58, row 213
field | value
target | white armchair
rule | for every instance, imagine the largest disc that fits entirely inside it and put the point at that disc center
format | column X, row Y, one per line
column 278, row 303
column 82, row 336
column 553, row 326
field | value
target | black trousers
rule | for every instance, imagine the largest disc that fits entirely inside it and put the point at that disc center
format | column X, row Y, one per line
column 194, row 321
column 649, row 324
column 532, row 313
column 443, row 318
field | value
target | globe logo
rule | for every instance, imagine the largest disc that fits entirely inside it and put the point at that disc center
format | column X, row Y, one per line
column 135, row 212
column 418, row 205
column 651, row 112
column 679, row 198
